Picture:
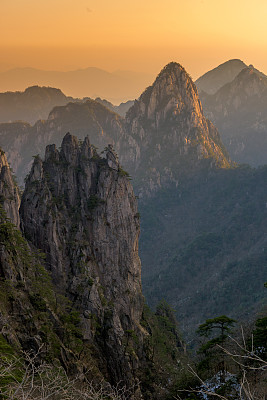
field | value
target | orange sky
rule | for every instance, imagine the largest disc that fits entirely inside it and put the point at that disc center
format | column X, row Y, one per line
column 135, row 35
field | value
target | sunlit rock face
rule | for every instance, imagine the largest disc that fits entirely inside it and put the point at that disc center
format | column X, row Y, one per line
column 174, row 137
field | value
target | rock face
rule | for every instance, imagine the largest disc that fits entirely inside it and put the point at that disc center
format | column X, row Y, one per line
column 24, row 284
column 239, row 110
column 81, row 211
column 173, row 136
column 9, row 194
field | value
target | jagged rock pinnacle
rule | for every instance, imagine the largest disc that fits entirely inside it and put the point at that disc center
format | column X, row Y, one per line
column 9, row 194
column 112, row 158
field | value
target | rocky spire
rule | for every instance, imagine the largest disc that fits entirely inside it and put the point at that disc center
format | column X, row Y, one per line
column 172, row 93
column 9, row 194
column 81, row 211
column 174, row 137
column 112, row 157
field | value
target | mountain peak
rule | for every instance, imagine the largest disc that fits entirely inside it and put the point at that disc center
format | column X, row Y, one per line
column 214, row 79
column 172, row 92
column 168, row 124
column 175, row 73
column 172, row 67
column 250, row 70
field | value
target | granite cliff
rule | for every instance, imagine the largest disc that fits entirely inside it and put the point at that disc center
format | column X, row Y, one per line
column 81, row 211
column 10, row 199
column 78, row 297
column 174, row 137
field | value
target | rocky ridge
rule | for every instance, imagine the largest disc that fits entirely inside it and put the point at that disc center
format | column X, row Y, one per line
column 238, row 109
column 32, row 104
column 29, row 319
column 121, row 109
column 213, row 80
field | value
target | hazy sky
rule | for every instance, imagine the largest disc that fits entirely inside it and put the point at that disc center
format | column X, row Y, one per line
column 141, row 35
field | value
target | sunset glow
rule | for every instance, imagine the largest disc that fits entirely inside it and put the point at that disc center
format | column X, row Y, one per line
column 139, row 35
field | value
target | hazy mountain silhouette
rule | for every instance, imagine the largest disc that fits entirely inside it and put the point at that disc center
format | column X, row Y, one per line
column 213, row 80
column 89, row 82
column 239, row 111
column 31, row 105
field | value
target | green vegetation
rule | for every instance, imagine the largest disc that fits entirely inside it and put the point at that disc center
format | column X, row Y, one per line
column 26, row 283
column 259, row 342
column 165, row 351
column 93, row 202
column 124, row 173
column 203, row 246
column 213, row 359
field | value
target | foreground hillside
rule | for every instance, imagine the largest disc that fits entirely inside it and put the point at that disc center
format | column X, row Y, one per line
column 76, row 302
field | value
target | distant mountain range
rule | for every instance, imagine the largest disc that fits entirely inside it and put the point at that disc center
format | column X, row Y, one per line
column 138, row 138
column 36, row 102
column 92, row 82
column 238, row 109
column 31, row 105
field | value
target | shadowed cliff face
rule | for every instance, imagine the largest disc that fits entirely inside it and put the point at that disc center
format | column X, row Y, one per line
column 80, row 209
column 9, row 194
